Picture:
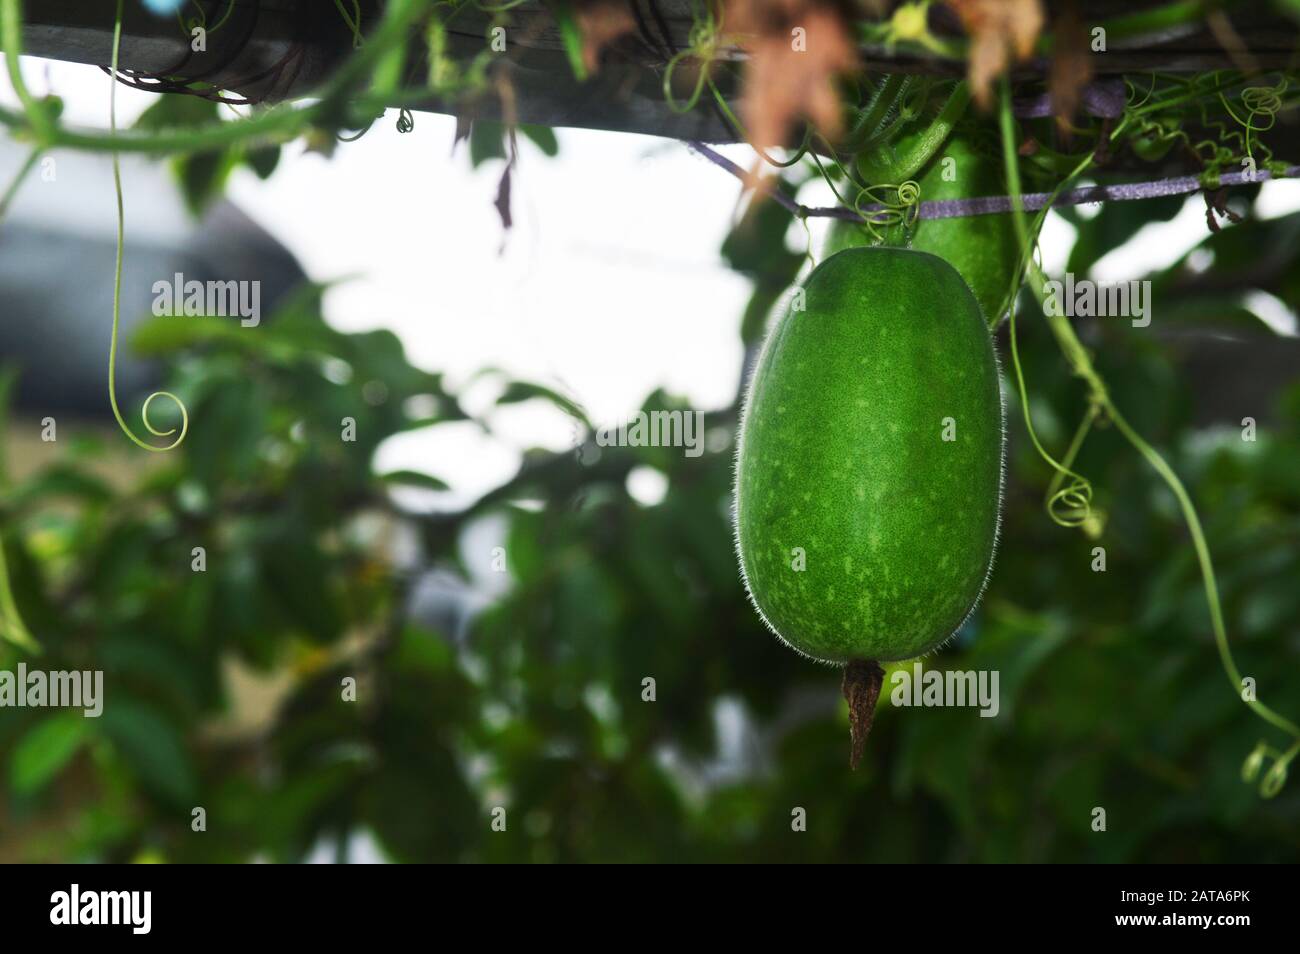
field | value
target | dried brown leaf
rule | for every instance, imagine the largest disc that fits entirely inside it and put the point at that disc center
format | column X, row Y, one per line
column 999, row 30
column 463, row 126
column 796, row 49
column 601, row 22
column 1071, row 67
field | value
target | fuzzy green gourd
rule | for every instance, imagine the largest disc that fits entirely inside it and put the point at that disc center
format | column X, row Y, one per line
column 869, row 465
column 983, row 248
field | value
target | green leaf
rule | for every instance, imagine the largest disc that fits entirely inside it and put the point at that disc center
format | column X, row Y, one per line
column 263, row 161
column 423, row 650
column 753, row 322
column 178, row 110
column 45, row 751
column 1290, row 7
column 64, row 480
column 202, row 177
column 1219, row 312
column 413, row 478
column 756, row 245
column 8, row 381
column 542, row 136
column 571, row 36
column 1114, row 225
column 519, row 391
column 297, row 573
column 163, row 334
column 152, row 747
column 486, row 141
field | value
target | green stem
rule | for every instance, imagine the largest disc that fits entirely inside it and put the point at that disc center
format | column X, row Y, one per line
column 878, row 105
column 117, row 285
column 279, row 124
column 12, row 626
column 18, row 180
column 1011, row 164
column 795, row 157
column 1193, row 521
column 1155, row 20
column 353, row 22
column 881, row 165
column 11, row 37
column 1081, row 364
column 1145, row 22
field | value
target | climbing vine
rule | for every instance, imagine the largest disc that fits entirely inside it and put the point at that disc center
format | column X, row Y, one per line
column 891, row 127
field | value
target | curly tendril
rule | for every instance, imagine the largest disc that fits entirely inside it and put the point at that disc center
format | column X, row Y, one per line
column 117, row 288
column 1081, row 364
column 1252, row 110
column 886, row 205
column 1262, row 104
column 1068, row 499
column 828, row 178
column 357, row 134
column 201, row 21
column 701, row 45
column 1275, row 778
column 1264, row 101
column 1131, row 90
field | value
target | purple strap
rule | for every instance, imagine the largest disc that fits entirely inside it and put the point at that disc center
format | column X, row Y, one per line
column 1000, row 204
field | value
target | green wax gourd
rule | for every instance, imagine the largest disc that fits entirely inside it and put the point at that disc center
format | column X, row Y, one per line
column 983, row 248
column 869, row 462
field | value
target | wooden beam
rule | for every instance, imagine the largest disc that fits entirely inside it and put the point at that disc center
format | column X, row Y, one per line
column 280, row 49
column 272, row 49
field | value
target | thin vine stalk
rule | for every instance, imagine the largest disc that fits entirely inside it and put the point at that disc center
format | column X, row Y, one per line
column 1081, row 363
column 277, row 124
column 12, row 626
column 16, row 183
column 117, row 289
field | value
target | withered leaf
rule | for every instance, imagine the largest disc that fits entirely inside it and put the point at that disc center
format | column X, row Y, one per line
column 1071, row 68
column 796, row 49
column 601, row 22
column 999, row 30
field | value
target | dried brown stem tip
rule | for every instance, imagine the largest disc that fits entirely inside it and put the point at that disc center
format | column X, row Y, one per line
column 862, row 681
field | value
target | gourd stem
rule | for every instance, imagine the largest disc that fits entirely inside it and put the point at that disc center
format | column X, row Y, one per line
column 861, row 687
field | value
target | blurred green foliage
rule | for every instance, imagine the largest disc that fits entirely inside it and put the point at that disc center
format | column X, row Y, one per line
column 1112, row 693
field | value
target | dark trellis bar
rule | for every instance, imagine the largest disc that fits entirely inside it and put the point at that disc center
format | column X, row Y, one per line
column 1002, row 204
column 1119, row 192
column 280, row 49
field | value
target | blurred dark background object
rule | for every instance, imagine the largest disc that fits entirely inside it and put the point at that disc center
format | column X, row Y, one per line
column 57, row 254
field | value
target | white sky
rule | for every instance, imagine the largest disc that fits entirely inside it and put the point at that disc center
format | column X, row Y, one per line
column 611, row 283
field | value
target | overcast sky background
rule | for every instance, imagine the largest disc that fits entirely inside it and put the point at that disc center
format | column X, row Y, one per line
column 609, row 285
